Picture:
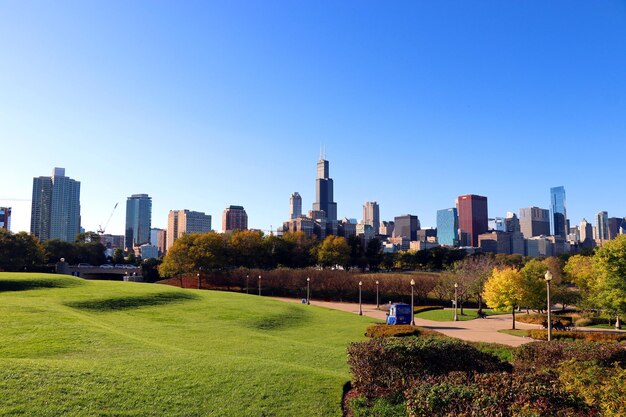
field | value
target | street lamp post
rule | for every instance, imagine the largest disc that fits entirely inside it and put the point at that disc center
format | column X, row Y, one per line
column 412, row 305
column 198, row 280
column 360, row 304
column 259, row 285
column 308, row 291
column 247, row 280
column 548, row 278
column 377, row 302
column 456, row 301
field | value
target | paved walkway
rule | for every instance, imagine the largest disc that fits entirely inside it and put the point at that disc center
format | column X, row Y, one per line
column 477, row 330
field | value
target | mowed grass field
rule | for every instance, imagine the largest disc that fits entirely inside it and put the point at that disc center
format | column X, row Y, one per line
column 448, row 314
column 70, row 347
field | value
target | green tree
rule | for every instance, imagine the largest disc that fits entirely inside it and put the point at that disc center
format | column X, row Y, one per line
column 19, row 252
column 504, row 290
column 56, row 249
column 610, row 289
column 579, row 269
column 87, row 237
column 374, row 253
column 196, row 251
column 534, row 285
column 334, row 250
column 247, row 248
column 118, row 256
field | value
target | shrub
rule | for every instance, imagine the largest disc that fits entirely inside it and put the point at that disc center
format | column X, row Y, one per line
column 541, row 318
column 383, row 366
column 548, row 355
column 583, row 322
column 384, row 330
column 539, row 334
column 604, row 387
column 493, row 395
column 421, row 309
column 379, row 407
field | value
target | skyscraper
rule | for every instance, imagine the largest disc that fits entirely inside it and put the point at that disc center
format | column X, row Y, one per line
column 473, row 217
column 5, row 218
column 180, row 222
column 448, row 227
column 534, row 221
column 295, row 206
column 371, row 215
column 324, row 195
column 558, row 209
column 586, row 234
column 406, row 226
column 234, row 218
column 55, row 210
column 614, row 226
column 602, row 226
column 138, row 220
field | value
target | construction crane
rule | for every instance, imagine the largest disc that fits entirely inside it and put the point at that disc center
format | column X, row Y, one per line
column 101, row 229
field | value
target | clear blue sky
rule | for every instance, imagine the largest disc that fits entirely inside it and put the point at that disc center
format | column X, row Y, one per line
column 211, row 103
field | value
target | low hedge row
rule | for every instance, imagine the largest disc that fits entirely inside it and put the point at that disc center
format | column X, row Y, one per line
column 549, row 355
column 540, row 334
column 399, row 330
column 421, row 309
column 538, row 318
column 493, row 395
column 383, row 366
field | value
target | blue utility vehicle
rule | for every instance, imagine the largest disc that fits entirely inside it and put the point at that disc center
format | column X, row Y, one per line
column 399, row 313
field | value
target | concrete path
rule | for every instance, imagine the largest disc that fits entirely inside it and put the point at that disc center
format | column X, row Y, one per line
column 477, row 330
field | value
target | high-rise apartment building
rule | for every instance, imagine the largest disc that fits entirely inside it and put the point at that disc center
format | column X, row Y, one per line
column 386, row 228
column 138, row 220
column 371, row 215
column 602, row 226
column 181, row 222
column 534, row 221
column 234, row 218
column 5, row 218
column 295, row 206
column 406, row 226
column 324, row 195
column 55, row 210
column 473, row 217
column 448, row 227
column 558, row 209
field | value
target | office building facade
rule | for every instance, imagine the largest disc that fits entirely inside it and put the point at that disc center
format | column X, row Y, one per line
column 55, row 209
column 138, row 220
column 234, row 218
column 602, row 226
column 558, row 211
column 295, row 206
column 406, row 226
column 534, row 221
column 473, row 216
column 614, row 226
column 371, row 215
column 586, row 234
column 181, row 222
column 5, row 218
column 448, row 227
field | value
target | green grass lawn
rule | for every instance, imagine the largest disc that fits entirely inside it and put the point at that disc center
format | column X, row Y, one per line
column 70, row 347
column 516, row 332
column 448, row 314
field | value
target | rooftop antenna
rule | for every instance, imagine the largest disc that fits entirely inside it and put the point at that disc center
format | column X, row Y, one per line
column 320, row 152
column 324, row 152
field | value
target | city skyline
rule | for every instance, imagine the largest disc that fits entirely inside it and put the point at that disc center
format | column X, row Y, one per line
column 410, row 100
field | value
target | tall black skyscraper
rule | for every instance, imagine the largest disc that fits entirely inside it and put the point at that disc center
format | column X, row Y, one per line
column 324, row 192
column 138, row 220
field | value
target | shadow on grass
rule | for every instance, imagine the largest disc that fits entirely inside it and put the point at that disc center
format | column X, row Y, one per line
column 290, row 317
column 34, row 284
column 128, row 303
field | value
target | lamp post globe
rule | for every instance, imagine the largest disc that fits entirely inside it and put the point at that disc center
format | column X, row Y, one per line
column 247, row 280
column 360, row 303
column 456, row 301
column 377, row 301
column 308, row 290
column 259, row 285
column 548, row 278
column 412, row 304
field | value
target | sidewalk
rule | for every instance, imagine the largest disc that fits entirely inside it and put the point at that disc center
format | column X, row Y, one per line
column 477, row 330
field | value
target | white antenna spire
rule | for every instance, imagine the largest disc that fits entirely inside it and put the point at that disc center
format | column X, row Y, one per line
column 320, row 152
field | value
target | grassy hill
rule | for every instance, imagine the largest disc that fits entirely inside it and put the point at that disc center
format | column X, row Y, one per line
column 78, row 348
